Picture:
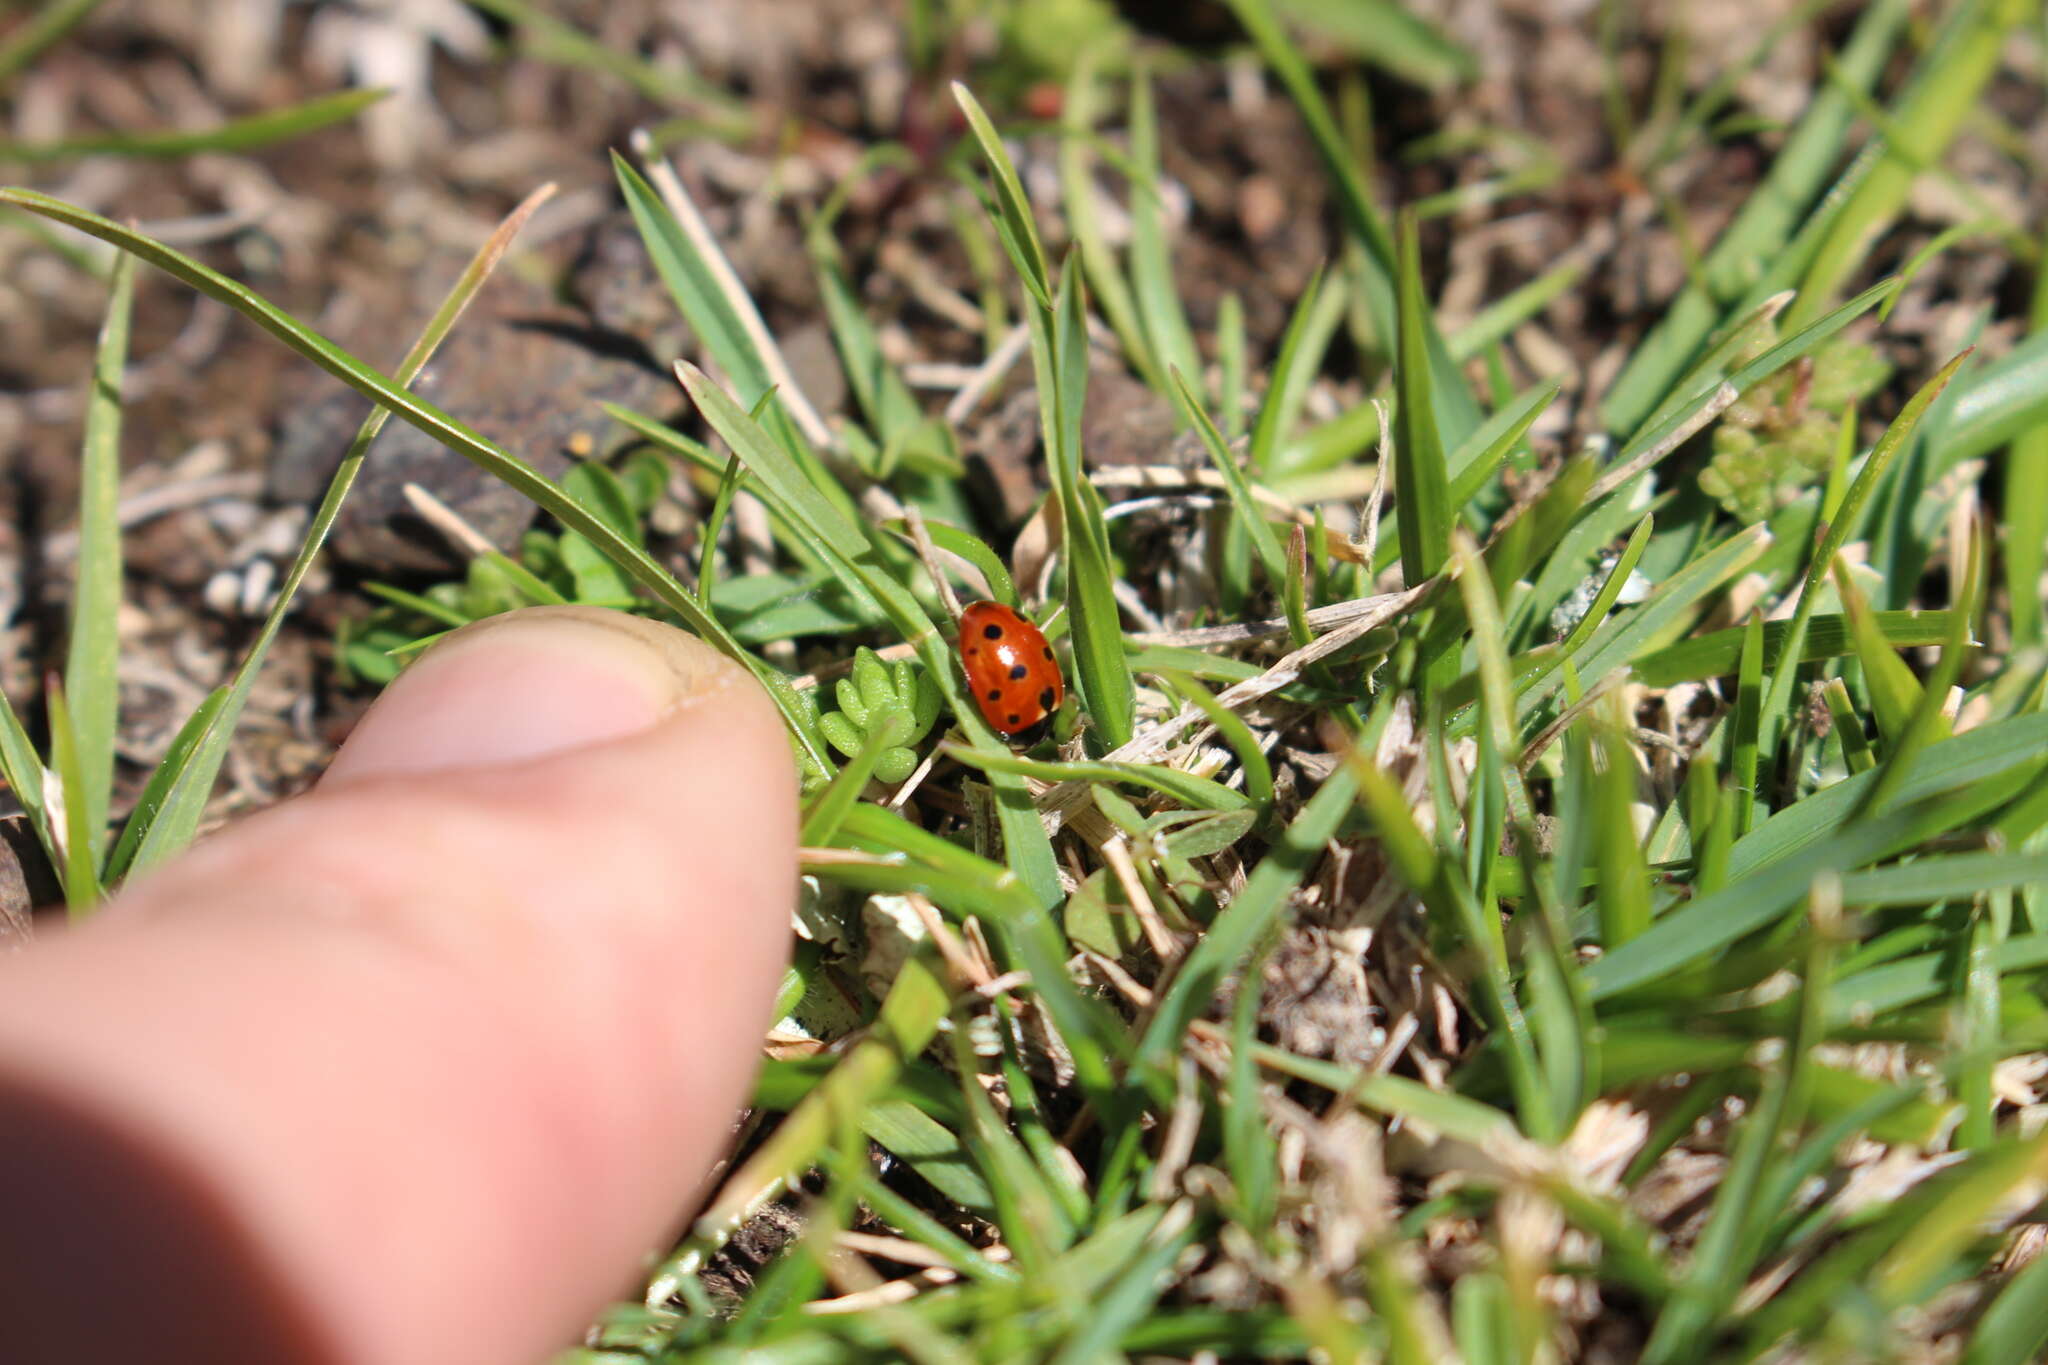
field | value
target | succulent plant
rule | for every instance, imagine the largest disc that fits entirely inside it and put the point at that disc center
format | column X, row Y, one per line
column 899, row 703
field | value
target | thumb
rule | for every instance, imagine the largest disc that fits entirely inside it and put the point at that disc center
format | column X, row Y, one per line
column 421, row 1066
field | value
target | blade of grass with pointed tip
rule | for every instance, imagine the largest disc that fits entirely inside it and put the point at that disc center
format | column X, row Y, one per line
column 1681, row 416
column 1388, row 35
column 1457, row 412
column 1613, row 645
column 1195, row 793
column 435, row 422
column 1102, row 670
column 1719, row 653
column 1610, row 590
column 1784, row 665
column 49, row 26
column 708, row 292
column 174, row 761
column 1250, row 516
column 1928, row 724
column 92, row 682
column 1158, row 299
column 1760, row 229
column 1077, row 195
column 1893, row 691
column 1941, row 94
column 171, row 824
column 237, row 135
column 1421, row 481
column 1013, row 210
column 1309, row 328
column 975, row 551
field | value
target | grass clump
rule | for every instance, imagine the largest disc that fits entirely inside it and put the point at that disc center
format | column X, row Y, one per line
column 1508, row 908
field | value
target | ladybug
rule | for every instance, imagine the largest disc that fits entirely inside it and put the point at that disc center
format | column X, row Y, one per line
column 1016, row 680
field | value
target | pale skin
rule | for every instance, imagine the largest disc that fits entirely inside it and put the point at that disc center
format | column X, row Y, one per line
column 423, row 1066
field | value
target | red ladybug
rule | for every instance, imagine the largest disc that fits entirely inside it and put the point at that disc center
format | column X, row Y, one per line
column 1016, row 681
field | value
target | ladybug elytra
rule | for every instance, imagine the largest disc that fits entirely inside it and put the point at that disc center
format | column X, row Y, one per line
column 1016, row 681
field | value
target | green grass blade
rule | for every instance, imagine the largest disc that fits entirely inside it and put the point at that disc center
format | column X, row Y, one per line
column 2014, row 1329
column 1231, row 729
column 1719, row 653
column 1691, row 934
column 1784, row 666
column 438, row 424
column 975, row 551
column 1250, row 516
column 1309, row 328
column 1749, row 686
column 1941, row 95
column 724, row 318
column 1610, row 589
column 23, row 769
column 39, row 34
column 1760, row 230
column 1158, row 298
column 2025, row 502
column 237, row 135
column 77, row 868
column 1078, row 112
column 1388, row 35
column 1192, row 792
column 92, row 682
column 1893, row 690
column 176, row 817
column 1979, row 765
column 1421, row 482
column 151, row 802
column 1457, row 412
column 1623, row 889
column 1928, row 725
column 1102, row 670
column 1013, row 210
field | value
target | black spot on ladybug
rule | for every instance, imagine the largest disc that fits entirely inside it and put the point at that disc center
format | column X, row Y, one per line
column 995, row 694
column 1048, row 651
column 1017, row 672
column 1045, row 700
column 1016, row 720
column 994, row 632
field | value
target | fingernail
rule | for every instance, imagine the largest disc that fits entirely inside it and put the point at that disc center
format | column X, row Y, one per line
column 527, row 684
